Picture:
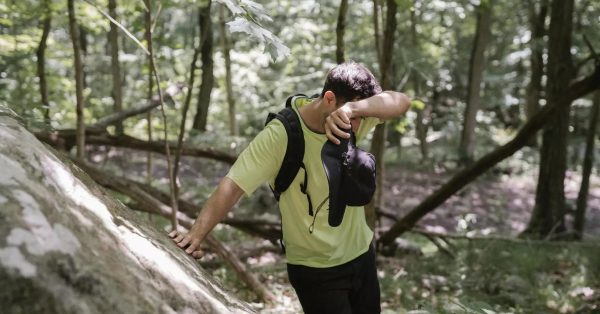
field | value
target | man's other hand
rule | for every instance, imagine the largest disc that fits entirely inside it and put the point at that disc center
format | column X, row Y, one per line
column 188, row 242
column 336, row 121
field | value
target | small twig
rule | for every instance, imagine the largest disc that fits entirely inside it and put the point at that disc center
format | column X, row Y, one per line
column 119, row 26
column 587, row 42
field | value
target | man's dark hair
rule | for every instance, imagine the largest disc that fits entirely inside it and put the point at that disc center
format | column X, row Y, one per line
column 349, row 81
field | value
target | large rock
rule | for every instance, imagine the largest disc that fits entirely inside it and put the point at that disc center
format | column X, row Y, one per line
column 66, row 246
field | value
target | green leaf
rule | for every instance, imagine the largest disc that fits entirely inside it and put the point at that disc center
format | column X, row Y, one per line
column 417, row 104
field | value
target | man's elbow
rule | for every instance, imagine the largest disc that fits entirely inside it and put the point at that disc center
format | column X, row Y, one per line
column 401, row 104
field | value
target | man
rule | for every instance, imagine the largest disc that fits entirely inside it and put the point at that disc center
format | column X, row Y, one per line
column 332, row 269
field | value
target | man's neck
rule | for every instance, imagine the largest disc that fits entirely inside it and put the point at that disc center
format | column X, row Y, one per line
column 313, row 115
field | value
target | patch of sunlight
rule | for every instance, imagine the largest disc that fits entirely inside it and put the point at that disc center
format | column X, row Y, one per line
column 11, row 257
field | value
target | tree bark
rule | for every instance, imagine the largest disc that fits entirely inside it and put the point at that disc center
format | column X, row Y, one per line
column 422, row 113
column 339, row 31
column 78, row 80
column 534, row 88
column 117, row 92
column 376, row 32
column 588, row 164
column 148, row 37
column 548, row 214
column 226, row 44
column 206, row 86
column 379, row 137
column 41, row 60
column 576, row 90
column 476, row 67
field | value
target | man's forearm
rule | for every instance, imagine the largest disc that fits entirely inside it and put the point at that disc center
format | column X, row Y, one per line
column 216, row 207
column 213, row 211
column 386, row 105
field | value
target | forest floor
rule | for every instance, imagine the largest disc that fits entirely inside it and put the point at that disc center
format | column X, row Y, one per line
column 498, row 275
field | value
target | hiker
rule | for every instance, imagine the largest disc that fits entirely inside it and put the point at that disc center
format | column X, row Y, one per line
column 327, row 242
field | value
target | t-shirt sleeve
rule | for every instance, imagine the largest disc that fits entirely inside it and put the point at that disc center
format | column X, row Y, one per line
column 366, row 126
column 261, row 160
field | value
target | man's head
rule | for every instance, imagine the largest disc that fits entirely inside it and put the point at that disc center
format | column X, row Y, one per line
column 350, row 81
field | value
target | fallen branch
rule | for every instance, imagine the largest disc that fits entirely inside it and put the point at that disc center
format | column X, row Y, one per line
column 461, row 179
column 150, row 204
column 64, row 139
column 116, row 117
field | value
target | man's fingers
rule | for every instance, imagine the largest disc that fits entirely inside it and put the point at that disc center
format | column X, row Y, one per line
column 330, row 136
column 197, row 254
column 178, row 238
column 184, row 242
column 341, row 121
column 173, row 233
column 193, row 245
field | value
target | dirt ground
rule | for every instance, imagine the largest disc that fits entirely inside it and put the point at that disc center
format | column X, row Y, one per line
column 489, row 205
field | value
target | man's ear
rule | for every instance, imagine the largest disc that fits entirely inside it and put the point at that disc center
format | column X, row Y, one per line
column 329, row 98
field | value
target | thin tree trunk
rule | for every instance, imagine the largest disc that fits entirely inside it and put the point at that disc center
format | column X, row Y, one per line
column 113, row 36
column 534, row 88
column 226, row 44
column 186, row 106
column 172, row 184
column 339, row 31
column 148, row 37
column 84, row 52
column 548, row 217
column 206, row 86
column 379, row 136
column 41, row 61
column 78, row 80
column 377, row 34
column 588, row 163
column 422, row 126
column 476, row 66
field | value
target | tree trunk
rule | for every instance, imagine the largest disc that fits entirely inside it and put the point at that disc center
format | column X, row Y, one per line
column 113, row 38
column 588, row 163
column 148, row 37
column 84, row 52
column 534, row 88
column 41, row 61
column 379, row 137
column 206, row 86
column 78, row 80
column 339, row 31
column 226, row 44
column 377, row 34
column 421, row 125
column 476, row 66
column 549, row 212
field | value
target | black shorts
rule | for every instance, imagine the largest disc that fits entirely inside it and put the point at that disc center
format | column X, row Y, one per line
column 348, row 288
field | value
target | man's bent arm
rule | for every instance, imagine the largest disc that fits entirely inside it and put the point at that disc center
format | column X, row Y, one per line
column 214, row 210
column 385, row 105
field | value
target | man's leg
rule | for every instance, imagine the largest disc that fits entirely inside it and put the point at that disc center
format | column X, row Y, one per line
column 322, row 290
column 365, row 297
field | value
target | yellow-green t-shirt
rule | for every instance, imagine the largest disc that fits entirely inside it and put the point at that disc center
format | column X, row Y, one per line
column 326, row 246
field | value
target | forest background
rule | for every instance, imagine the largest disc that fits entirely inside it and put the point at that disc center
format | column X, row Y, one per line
column 489, row 191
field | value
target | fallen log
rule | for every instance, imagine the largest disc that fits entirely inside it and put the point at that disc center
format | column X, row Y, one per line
column 577, row 89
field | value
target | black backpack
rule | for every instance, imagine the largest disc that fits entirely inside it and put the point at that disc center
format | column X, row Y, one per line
column 294, row 153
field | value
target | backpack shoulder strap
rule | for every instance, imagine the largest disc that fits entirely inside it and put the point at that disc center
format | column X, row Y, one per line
column 294, row 153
